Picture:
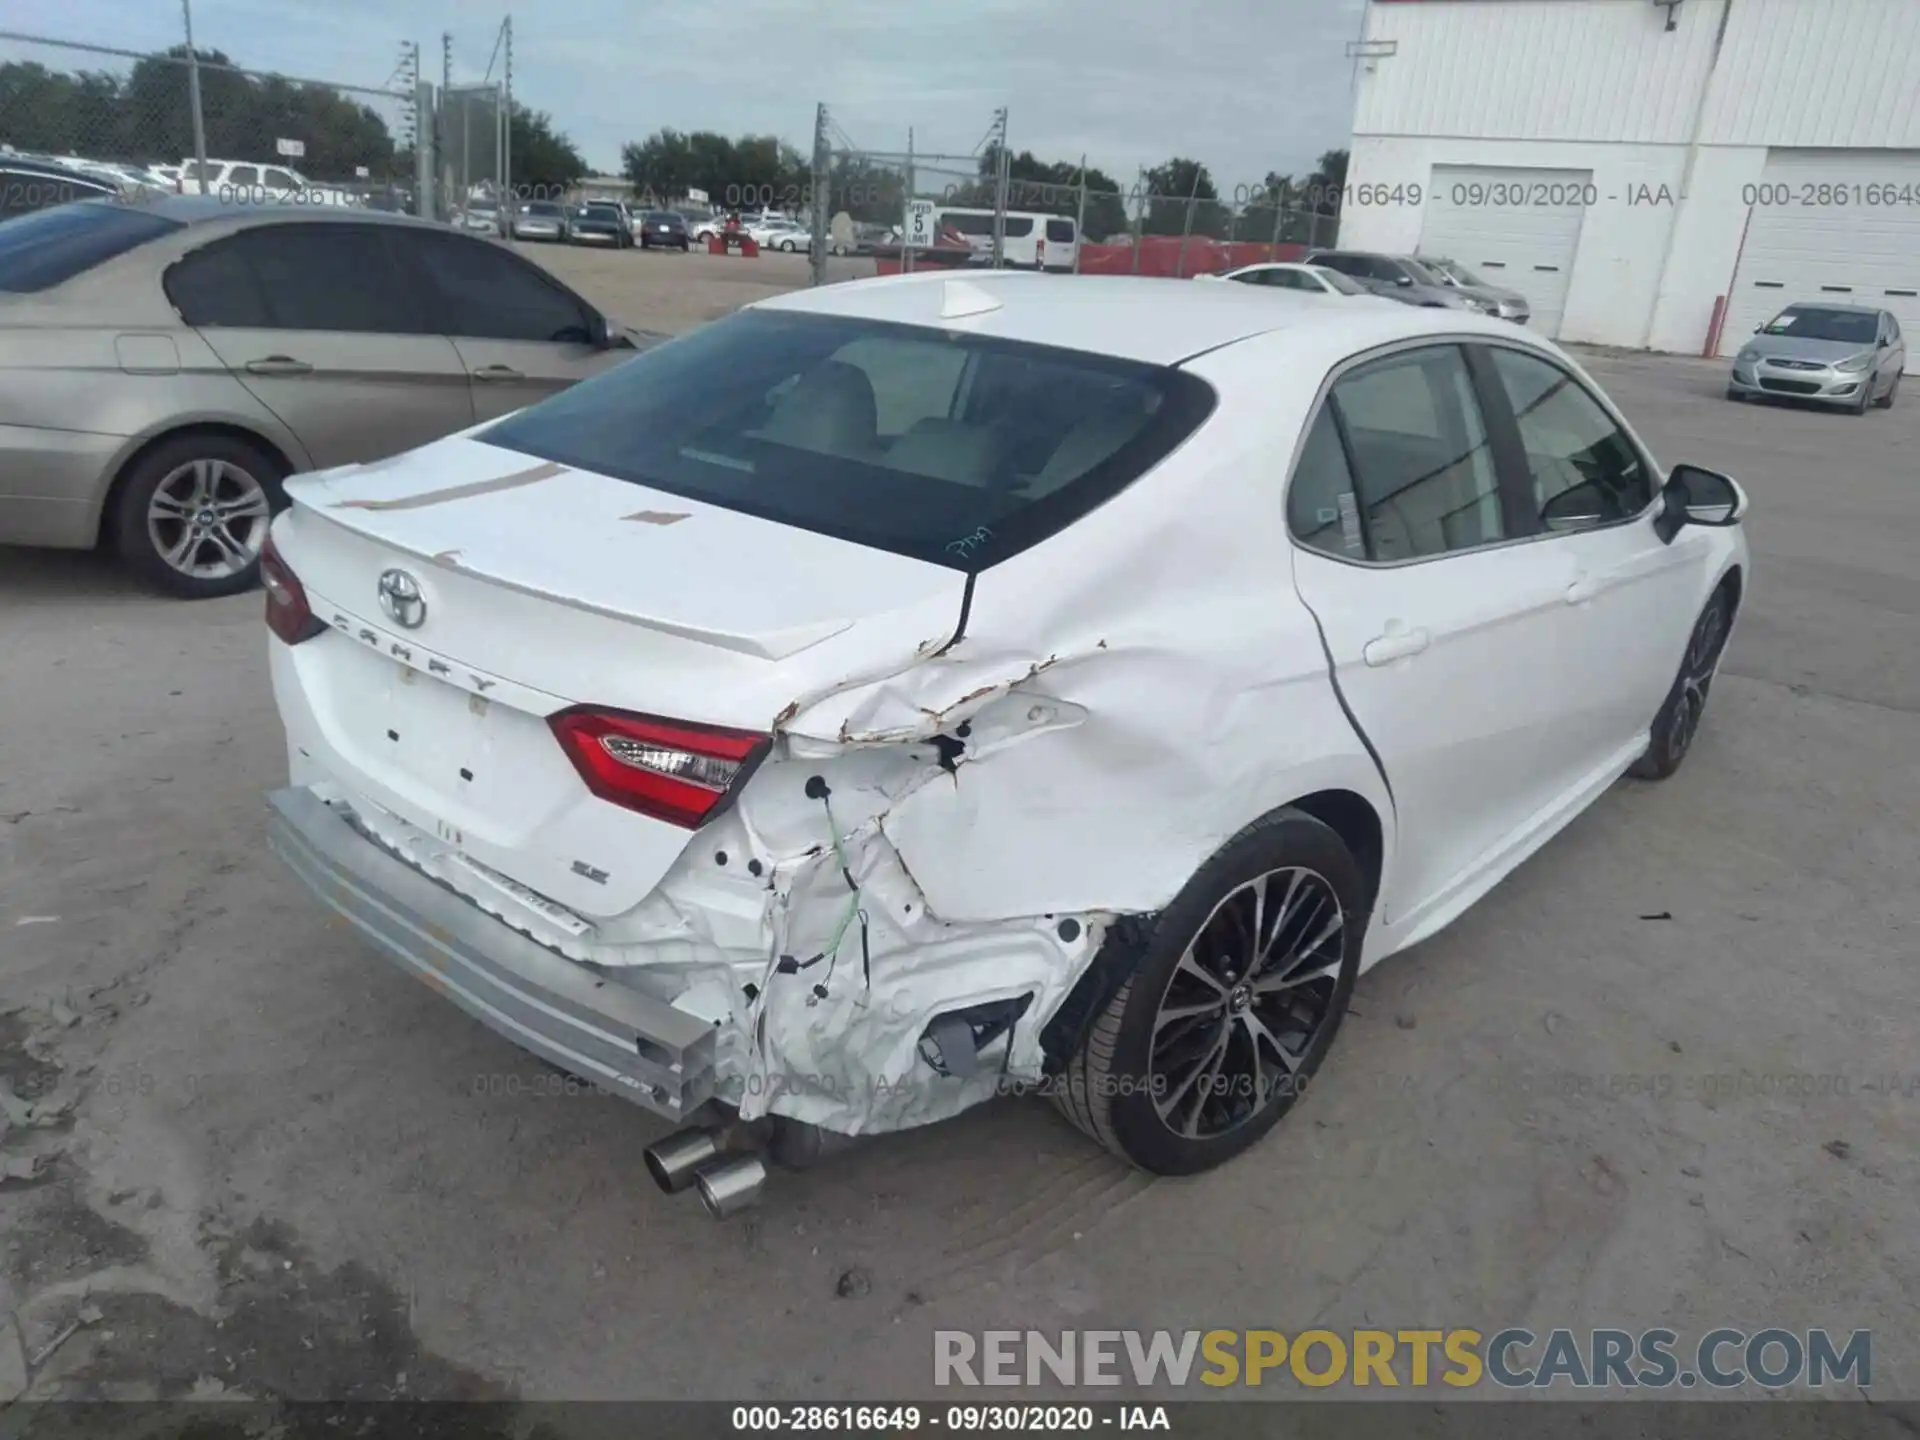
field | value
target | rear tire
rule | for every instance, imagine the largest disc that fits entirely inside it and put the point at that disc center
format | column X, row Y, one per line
column 192, row 512
column 1236, row 992
column 1678, row 720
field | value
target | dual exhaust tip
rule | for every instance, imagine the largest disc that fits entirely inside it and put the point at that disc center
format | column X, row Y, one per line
column 727, row 1183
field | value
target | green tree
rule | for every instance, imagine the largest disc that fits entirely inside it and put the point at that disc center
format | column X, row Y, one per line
column 1174, row 187
column 1052, row 188
column 541, row 156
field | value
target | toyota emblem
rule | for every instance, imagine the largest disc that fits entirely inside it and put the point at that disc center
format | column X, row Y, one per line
column 400, row 597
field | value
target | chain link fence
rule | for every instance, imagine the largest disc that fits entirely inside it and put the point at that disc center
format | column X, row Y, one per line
column 471, row 154
column 913, row 210
column 267, row 136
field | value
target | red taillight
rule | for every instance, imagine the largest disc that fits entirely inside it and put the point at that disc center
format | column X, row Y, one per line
column 288, row 614
column 668, row 769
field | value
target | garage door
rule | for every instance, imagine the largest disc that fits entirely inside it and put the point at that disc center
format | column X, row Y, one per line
column 1515, row 228
column 1835, row 225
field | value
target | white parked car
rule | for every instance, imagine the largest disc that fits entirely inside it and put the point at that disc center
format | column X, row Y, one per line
column 906, row 688
column 243, row 182
column 779, row 235
column 1288, row 275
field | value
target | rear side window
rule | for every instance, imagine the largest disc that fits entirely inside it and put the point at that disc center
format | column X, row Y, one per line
column 1321, row 509
column 1418, row 444
column 48, row 247
column 1059, row 232
column 1018, row 227
column 338, row 278
column 950, row 448
column 215, row 288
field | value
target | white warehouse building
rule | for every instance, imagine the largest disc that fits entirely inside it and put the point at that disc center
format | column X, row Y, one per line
column 1628, row 164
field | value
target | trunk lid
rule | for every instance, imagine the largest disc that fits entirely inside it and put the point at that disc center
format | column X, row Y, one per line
column 540, row 587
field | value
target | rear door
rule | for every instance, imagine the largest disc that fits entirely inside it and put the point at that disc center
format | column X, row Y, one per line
column 316, row 321
column 1447, row 641
column 520, row 335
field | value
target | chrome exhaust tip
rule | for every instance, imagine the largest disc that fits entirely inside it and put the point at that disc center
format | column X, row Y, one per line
column 731, row 1185
column 674, row 1161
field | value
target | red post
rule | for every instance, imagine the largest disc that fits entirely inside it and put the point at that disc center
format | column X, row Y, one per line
column 1713, row 327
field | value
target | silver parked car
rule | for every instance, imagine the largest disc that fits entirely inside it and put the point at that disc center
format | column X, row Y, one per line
column 164, row 366
column 1508, row 304
column 541, row 220
column 1399, row 277
column 1846, row 355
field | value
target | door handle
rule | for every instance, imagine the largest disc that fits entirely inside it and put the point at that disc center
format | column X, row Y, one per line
column 498, row 372
column 279, row 365
column 1395, row 645
column 1585, row 587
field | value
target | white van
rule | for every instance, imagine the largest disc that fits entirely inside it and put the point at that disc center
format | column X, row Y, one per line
column 1033, row 240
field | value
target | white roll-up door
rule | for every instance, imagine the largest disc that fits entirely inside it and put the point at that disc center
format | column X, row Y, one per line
column 1836, row 225
column 1516, row 228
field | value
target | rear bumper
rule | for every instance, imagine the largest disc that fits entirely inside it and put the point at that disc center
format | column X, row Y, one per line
column 649, row 1052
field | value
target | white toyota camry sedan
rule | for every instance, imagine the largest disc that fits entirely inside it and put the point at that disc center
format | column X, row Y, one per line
column 902, row 691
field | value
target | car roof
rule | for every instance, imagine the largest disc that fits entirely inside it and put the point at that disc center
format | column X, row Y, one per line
column 51, row 167
column 1141, row 318
column 1825, row 305
column 212, row 209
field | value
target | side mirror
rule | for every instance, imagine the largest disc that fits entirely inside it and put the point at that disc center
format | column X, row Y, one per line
column 1694, row 496
column 1403, row 280
column 600, row 331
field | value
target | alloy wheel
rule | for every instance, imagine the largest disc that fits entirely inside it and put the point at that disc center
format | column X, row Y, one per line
column 1247, row 1004
column 208, row 519
column 1696, row 675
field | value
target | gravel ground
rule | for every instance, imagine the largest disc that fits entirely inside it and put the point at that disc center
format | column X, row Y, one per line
column 245, row 1157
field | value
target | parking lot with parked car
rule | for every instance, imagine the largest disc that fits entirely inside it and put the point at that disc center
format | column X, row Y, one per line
column 1663, row 1073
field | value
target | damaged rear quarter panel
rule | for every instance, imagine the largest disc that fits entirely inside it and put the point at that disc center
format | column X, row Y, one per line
column 1134, row 692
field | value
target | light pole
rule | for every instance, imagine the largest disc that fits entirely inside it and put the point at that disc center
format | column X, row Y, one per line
column 193, row 99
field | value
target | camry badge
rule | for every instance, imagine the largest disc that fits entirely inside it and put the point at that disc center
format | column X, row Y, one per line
column 400, row 597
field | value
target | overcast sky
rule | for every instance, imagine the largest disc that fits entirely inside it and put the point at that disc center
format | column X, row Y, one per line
column 1244, row 85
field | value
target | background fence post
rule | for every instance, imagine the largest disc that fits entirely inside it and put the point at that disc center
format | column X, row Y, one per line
column 425, row 147
column 906, row 250
column 1003, row 171
column 1080, row 217
column 821, row 200
column 1141, row 201
column 1279, row 219
column 1193, row 195
column 506, row 127
column 193, row 98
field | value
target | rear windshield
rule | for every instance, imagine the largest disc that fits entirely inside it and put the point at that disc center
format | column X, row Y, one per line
column 1847, row 326
column 46, row 247
column 541, row 207
column 1059, row 232
column 949, row 448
